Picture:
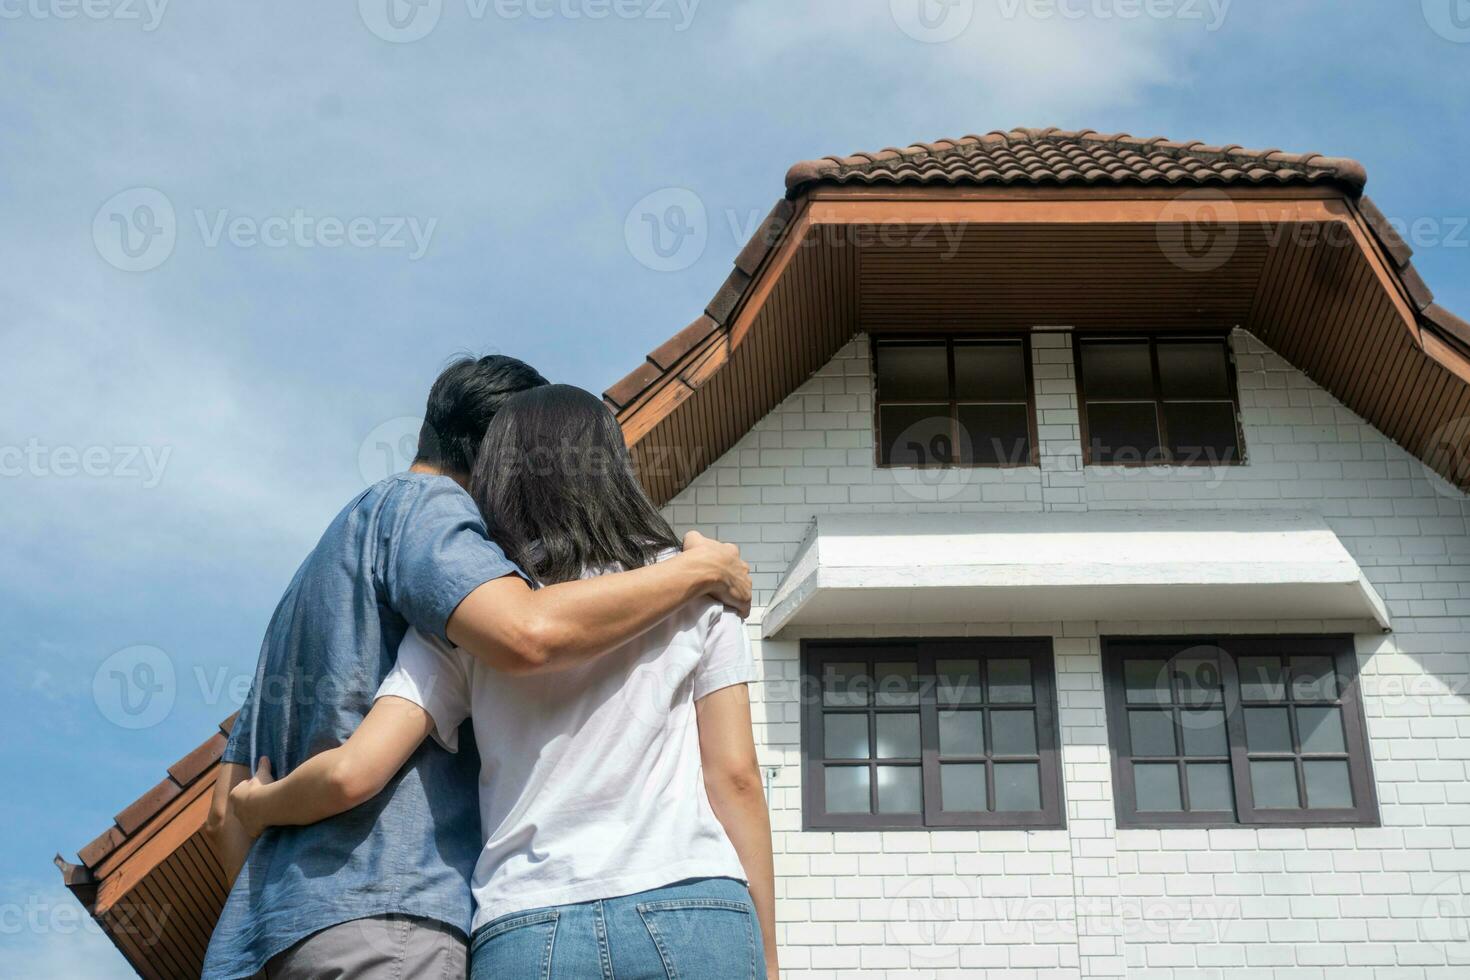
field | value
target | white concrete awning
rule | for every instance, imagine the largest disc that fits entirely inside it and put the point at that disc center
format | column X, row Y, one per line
column 1104, row 566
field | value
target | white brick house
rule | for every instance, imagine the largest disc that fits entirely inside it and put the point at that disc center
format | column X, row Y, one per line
column 1090, row 899
column 1106, row 504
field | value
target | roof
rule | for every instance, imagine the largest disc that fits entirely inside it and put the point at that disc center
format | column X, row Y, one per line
column 155, row 856
column 1035, row 157
column 1061, row 157
column 1050, row 159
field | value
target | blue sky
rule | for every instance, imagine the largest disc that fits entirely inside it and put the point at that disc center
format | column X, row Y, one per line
column 321, row 209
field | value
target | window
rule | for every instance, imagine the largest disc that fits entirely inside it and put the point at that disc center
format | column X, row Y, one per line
column 1156, row 400
column 929, row 733
column 954, row 402
column 1237, row 730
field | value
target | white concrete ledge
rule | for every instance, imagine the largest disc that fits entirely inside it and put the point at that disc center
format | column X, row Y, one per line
column 1100, row 566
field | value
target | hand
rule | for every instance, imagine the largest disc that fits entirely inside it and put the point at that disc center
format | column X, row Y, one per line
column 729, row 575
column 245, row 799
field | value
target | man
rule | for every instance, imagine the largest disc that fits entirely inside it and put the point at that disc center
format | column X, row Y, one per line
column 382, row 890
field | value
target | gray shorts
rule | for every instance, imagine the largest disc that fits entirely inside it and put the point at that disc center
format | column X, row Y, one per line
column 380, row 948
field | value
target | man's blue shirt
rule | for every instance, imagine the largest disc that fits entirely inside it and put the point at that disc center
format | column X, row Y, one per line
column 405, row 552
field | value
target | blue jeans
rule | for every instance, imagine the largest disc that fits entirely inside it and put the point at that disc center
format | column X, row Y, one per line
column 702, row 929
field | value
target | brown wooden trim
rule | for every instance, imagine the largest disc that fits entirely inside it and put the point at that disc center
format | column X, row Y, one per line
column 1021, row 192
column 131, row 864
column 1084, row 211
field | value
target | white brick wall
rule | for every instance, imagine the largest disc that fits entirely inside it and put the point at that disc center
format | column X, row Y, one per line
column 1091, row 900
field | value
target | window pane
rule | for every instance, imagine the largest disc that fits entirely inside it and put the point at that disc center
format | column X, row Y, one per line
column 900, row 789
column 846, row 736
column 897, row 684
column 962, row 787
column 916, row 435
column 1123, row 433
column 1261, row 679
column 1151, row 733
column 913, row 372
column 1320, row 729
column 959, row 681
column 898, row 736
column 995, row 435
column 1202, row 432
column 961, row 733
column 1210, row 787
column 1328, row 786
column 1194, row 369
column 1117, row 370
column 1013, row 732
column 1147, row 681
column 1267, row 730
column 1204, row 732
column 1313, row 679
column 847, row 789
column 1017, row 786
column 1010, row 681
column 990, row 372
column 1273, row 784
column 1199, row 678
column 1157, row 786
column 846, row 685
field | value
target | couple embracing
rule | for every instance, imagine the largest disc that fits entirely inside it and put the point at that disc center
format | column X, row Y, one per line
column 500, row 725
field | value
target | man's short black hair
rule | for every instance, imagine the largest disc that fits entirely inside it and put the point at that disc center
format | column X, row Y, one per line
column 462, row 402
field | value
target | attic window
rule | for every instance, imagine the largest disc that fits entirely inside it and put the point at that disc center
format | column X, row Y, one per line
column 963, row 401
column 1158, row 400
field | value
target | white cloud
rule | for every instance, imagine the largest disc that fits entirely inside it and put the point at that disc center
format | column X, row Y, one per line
column 1006, row 58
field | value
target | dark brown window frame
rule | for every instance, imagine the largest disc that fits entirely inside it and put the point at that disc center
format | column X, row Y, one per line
column 1156, row 396
column 816, row 653
column 949, row 340
column 1364, row 813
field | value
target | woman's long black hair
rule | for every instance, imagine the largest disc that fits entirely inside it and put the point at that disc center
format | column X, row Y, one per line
column 555, row 483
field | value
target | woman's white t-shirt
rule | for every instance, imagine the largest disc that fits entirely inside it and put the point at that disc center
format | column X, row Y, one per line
column 590, row 781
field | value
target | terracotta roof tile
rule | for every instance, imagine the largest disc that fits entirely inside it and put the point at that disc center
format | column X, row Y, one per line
column 197, row 763
column 145, row 806
column 765, row 238
column 667, row 354
column 633, row 383
column 1058, row 157
column 725, row 301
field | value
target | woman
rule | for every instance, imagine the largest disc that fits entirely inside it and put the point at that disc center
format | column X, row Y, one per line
column 626, row 830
